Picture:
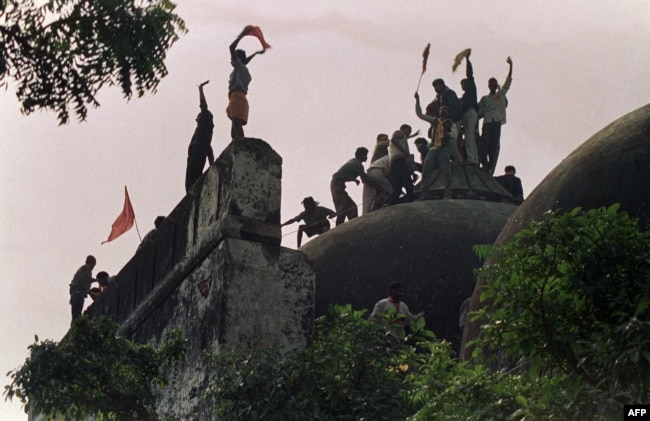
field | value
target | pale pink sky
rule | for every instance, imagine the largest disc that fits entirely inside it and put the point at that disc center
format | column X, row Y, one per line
column 337, row 74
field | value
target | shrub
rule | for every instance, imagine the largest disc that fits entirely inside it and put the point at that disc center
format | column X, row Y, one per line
column 570, row 295
column 94, row 372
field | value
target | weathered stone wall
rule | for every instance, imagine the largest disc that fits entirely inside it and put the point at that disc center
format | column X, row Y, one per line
column 216, row 270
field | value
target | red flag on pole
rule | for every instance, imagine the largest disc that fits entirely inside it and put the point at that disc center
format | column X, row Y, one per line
column 425, row 57
column 256, row 32
column 124, row 221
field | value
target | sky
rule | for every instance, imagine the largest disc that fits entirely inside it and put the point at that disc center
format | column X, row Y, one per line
column 338, row 73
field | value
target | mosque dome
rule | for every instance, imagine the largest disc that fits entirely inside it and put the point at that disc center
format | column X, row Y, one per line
column 426, row 245
column 613, row 166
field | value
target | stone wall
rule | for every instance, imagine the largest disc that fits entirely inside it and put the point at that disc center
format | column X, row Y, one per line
column 216, row 270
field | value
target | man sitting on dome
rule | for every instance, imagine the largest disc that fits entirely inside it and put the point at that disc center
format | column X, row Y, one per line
column 512, row 183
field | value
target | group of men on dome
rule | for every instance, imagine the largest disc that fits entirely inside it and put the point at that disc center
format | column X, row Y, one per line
column 453, row 139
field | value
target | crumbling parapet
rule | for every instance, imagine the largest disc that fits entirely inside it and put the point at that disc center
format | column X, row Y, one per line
column 216, row 270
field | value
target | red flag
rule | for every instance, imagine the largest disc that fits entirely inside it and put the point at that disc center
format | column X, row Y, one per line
column 124, row 221
column 425, row 57
column 256, row 32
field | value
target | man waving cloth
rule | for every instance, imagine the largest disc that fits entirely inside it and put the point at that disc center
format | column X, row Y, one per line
column 240, row 78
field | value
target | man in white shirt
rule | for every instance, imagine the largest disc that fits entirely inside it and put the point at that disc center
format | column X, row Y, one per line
column 492, row 109
column 395, row 304
column 379, row 172
column 398, row 155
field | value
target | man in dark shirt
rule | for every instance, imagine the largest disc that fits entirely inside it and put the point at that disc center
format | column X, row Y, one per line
column 315, row 218
column 102, row 281
column 512, row 183
column 200, row 147
column 350, row 171
column 80, row 286
column 448, row 98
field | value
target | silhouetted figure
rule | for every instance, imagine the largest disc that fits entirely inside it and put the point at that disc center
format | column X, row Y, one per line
column 442, row 148
column 492, row 109
column 102, row 281
column 448, row 98
column 512, row 183
column 381, row 147
column 401, row 171
column 421, row 144
column 147, row 238
column 315, row 218
column 469, row 110
column 343, row 203
column 80, row 286
column 240, row 78
column 379, row 172
column 200, row 147
column 433, row 109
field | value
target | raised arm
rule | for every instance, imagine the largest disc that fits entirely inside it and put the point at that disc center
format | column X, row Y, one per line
column 249, row 58
column 419, row 113
column 469, row 70
column 509, row 61
column 233, row 46
column 210, row 156
column 506, row 84
column 203, row 104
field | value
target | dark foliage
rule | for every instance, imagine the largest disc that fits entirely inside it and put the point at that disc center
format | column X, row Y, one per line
column 61, row 52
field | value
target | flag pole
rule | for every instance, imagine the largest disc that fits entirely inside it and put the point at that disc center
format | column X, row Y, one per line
column 135, row 221
column 136, row 228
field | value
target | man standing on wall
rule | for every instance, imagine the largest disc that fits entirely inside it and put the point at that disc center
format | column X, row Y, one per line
column 80, row 286
column 239, row 80
column 200, row 147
